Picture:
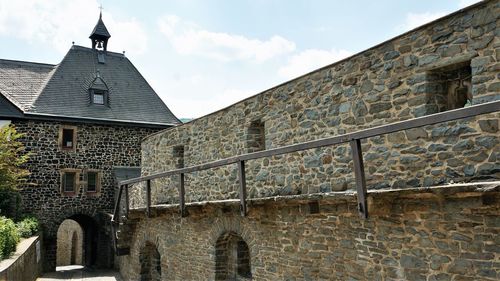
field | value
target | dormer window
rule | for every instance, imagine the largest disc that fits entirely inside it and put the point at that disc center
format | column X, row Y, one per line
column 99, row 94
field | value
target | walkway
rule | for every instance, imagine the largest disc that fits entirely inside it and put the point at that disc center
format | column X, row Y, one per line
column 79, row 273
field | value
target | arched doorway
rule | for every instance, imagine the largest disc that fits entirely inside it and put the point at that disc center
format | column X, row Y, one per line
column 77, row 239
column 150, row 261
column 69, row 243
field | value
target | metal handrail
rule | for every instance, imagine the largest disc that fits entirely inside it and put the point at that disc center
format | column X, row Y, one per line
column 353, row 138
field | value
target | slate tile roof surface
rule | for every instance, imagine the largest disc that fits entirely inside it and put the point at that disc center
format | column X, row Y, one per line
column 21, row 82
column 100, row 29
column 63, row 89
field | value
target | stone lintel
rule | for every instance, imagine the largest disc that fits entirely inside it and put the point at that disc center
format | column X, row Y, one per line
column 443, row 62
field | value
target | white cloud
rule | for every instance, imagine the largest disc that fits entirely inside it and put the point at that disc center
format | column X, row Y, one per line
column 190, row 39
column 414, row 20
column 127, row 35
column 311, row 59
column 59, row 22
column 465, row 3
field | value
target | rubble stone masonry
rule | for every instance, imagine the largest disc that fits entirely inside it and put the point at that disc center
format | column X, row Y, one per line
column 438, row 234
column 98, row 148
column 410, row 76
column 302, row 222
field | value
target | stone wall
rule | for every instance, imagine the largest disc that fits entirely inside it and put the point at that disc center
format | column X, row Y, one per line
column 443, row 233
column 406, row 77
column 98, row 148
column 25, row 264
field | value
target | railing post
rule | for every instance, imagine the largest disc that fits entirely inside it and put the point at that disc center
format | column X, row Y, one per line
column 127, row 204
column 243, row 188
column 182, row 196
column 116, row 212
column 359, row 172
column 148, row 198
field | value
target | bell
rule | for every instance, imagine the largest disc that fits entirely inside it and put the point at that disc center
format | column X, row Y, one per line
column 99, row 44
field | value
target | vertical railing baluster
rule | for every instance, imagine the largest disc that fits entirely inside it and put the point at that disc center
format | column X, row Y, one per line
column 359, row 172
column 243, row 188
column 182, row 196
column 148, row 198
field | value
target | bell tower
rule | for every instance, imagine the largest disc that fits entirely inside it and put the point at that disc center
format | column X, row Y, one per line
column 100, row 35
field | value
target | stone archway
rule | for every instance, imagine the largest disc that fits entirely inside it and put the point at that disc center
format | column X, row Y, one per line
column 150, row 261
column 69, row 243
column 77, row 240
column 232, row 258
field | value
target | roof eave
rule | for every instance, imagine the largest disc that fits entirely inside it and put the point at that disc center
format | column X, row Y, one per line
column 47, row 116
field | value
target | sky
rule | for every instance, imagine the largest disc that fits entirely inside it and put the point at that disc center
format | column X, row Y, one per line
column 203, row 55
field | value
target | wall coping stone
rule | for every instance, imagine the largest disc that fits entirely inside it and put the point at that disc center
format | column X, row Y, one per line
column 21, row 248
column 456, row 190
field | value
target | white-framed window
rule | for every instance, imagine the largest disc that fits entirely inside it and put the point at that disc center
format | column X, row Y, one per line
column 98, row 98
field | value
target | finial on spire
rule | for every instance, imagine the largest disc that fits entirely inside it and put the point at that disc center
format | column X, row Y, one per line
column 100, row 12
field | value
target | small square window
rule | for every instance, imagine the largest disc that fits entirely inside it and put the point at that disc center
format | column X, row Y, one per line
column 68, row 141
column 98, row 98
column 450, row 87
column 92, row 181
column 256, row 140
column 69, row 181
column 178, row 153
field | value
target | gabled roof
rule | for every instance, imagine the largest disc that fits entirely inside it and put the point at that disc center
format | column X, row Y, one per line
column 63, row 90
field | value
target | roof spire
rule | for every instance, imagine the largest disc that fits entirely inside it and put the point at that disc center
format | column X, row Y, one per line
column 100, row 34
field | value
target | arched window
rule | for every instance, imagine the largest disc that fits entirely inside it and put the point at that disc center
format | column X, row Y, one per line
column 149, row 259
column 232, row 258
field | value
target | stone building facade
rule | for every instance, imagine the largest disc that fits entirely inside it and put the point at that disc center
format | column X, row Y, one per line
column 302, row 222
column 98, row 148
column 83, row 121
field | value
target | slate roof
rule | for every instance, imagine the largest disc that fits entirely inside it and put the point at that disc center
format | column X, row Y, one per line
column 100, row 29
column 63, row 90
column 21, row 82
column 125, row 173
column 7, row 109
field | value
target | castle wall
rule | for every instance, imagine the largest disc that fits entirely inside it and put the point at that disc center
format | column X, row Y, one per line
column 440, row 234
column 302, row 222
column 409, row 76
